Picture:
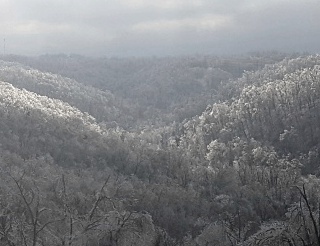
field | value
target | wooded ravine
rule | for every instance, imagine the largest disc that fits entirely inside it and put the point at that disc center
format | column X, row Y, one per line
column 162, row 151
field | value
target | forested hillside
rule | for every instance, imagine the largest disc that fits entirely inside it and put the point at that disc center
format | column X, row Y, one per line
column 189, row 151
column 153, row 90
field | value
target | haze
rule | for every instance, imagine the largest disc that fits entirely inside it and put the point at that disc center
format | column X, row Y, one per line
column 154, row 27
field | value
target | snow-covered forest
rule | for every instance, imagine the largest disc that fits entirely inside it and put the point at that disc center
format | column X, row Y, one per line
column 171, row 151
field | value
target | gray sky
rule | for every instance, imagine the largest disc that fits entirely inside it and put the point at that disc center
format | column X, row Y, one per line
column 159, row 27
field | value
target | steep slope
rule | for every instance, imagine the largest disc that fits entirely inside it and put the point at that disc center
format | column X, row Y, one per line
column 244, row 172
column 269, row 73
column 157, row 90
column 278, row 99
column 56, row 186
column 101, row 104
column 59, row 156
column 255, row 153
column 33, row 125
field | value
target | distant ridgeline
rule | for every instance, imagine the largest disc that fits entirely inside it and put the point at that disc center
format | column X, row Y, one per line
column 157, row 90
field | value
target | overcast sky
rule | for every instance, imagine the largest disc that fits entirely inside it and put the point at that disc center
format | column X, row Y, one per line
column 159, row 27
